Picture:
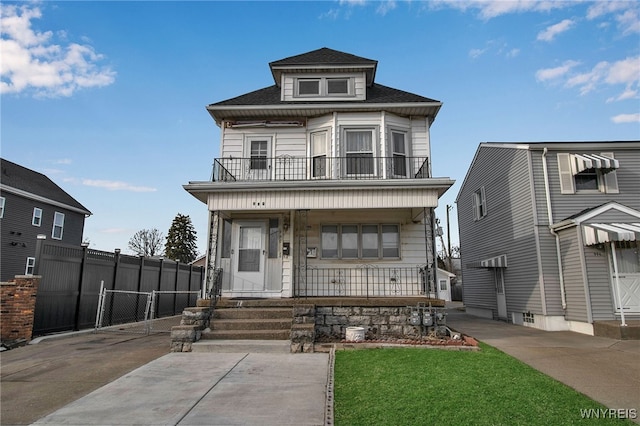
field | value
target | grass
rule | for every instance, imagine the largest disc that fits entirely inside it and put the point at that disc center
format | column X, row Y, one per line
column 409, row 386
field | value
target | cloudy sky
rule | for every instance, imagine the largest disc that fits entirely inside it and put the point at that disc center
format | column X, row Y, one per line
column 108, row 98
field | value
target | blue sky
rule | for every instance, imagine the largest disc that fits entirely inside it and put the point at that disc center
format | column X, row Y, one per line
column 108, row 98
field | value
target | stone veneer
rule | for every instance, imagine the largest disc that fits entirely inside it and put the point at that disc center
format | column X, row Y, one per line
column 193, row 321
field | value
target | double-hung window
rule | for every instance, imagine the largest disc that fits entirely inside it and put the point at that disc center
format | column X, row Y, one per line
column 319, row 154
column 31, row 263
column 479, row 203
column 398, row 154
column 36, row 220
column 58, row 226
column 359, row 153
column 365, row 241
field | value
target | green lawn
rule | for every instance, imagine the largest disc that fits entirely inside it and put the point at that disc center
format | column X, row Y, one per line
column 408, row 386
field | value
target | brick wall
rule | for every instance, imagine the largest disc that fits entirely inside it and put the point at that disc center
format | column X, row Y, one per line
column 17, row 306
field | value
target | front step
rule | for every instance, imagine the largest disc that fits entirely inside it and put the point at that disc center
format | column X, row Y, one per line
column 238, row 345
column 249, row 324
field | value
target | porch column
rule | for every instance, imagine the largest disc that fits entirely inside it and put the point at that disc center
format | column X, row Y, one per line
column 212, row 250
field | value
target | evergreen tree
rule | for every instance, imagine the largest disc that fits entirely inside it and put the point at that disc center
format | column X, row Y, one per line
column 181, row 240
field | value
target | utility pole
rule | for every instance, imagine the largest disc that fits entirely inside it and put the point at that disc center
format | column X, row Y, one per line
column 449, row 207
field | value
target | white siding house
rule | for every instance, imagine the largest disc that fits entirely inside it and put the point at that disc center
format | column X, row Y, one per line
column 323, row 186
column 549, row 233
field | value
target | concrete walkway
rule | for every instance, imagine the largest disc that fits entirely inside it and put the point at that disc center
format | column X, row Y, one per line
column 605, row 370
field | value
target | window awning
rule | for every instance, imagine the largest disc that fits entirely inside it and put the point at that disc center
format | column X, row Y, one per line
column 598, row 233
column 583, row 162
column 492, row 262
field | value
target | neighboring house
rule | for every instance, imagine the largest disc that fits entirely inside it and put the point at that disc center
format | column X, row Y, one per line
column 549, row 233
column 31, row 205
column 323, row 186
column 445, row 280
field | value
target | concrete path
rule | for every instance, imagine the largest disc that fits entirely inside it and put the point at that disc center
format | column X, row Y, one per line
column 209, row 389
column 605, row 370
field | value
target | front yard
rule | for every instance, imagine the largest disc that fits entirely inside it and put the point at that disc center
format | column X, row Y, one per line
column 407, row 386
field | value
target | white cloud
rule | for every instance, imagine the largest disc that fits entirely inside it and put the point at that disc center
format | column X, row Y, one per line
column 32, row 61
column 116, row 185
column 556, row 72
column 488, row 9
column 475, row 53
column 626, row 14
column 626, row 118
column 552, row 31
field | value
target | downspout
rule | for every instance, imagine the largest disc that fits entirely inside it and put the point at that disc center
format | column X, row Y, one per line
column 547, row 194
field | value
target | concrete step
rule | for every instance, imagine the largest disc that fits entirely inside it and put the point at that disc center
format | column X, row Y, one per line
column 235, row 346
column 246, row 334
column 252, row 324
column 252, row 313
column 613, row 329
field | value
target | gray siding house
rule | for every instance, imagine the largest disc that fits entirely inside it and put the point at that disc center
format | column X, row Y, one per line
column 323, row 185
column 549, row 233
column 31, row 205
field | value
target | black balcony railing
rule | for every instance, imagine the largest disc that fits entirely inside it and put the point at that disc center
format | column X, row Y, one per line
column 287, row 168
column 363, row 281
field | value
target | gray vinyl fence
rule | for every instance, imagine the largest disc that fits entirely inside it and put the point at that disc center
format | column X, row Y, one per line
column 67, row 298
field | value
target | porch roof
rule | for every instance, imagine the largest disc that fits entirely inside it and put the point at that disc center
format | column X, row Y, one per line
column 278, row 195
column 598, row 233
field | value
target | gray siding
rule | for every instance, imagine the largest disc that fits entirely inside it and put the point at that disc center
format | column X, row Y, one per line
column 574, row 275
column 17, row 228
column 599, row 276
column 506, row 229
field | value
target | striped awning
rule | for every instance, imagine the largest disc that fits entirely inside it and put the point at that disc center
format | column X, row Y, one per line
column 492, row 262
column 584, row 162
column 598, row 233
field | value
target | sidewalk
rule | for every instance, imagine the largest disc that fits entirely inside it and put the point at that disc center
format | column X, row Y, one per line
column 605, row 370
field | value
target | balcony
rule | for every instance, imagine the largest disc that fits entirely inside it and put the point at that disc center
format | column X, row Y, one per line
column 288, row 168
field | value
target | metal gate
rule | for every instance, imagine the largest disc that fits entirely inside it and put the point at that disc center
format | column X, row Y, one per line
column 137, row 311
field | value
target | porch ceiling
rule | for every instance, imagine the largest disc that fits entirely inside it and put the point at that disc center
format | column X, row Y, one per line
column 254, row 196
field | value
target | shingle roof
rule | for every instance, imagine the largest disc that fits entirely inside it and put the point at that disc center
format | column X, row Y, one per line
column 377, row 93
column 18, row 177
column 323, row 56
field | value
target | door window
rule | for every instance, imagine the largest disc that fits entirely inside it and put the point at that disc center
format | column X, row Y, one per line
column 250, row 242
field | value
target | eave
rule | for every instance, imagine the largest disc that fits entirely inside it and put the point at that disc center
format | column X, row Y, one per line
column 238, row 112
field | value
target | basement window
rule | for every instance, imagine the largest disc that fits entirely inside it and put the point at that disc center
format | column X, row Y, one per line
column 528, row 318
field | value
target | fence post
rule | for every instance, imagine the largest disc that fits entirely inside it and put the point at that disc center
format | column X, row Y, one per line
column 84, row 246
column 175, row 288
column 41, row 238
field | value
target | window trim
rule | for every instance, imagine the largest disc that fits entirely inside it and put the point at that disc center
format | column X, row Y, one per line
column 359, row 241
column 3, row 202
column 393, row 153
column 30, row 265
column 344, row 131
column 323, row 87
column 57, row 225
column 37, row 214
column 479, row 204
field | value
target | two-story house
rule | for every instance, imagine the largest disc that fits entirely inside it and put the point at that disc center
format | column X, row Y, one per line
column 31, row 205
column 549, row 233
column 323, row 186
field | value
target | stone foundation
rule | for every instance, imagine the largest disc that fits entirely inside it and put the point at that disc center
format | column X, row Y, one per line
column 378, row 322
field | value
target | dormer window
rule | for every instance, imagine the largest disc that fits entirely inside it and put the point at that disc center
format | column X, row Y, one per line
column 324, row 87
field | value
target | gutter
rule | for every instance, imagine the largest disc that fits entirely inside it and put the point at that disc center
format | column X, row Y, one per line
column 547, row 194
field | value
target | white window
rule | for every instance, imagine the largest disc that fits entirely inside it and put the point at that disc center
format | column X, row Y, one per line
column 577, row 175
column 36, row 220
column 309, row 87
column 258, row 154
column 31, row 263
column 359, row 150
column 366, row 241
column 337, row 86
column 58, row 226
column 2, row 201
column 319, row 154
column 479, row 202
column 324, row 87
column 398, row 154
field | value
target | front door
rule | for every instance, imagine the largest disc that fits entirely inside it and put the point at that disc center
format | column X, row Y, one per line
column 248, row 256
column 501, row 298
column 628, row 277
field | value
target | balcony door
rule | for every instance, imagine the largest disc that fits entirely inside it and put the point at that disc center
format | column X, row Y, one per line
column 258, row 166
column 319, row 155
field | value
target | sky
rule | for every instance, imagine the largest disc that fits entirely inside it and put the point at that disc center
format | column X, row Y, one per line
column 108, row 99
